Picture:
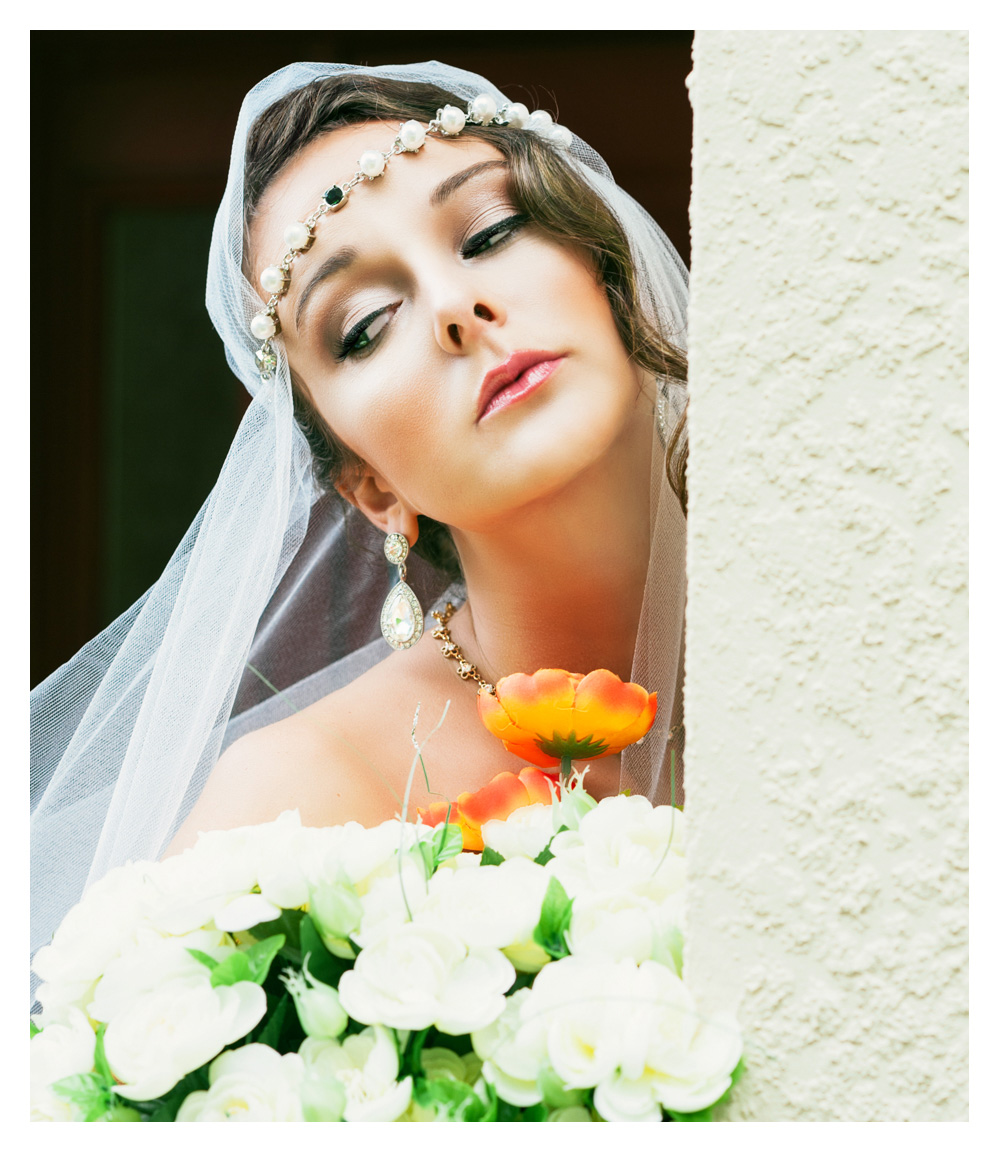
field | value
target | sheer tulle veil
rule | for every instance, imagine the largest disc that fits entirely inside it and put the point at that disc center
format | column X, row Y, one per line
column 271, row 599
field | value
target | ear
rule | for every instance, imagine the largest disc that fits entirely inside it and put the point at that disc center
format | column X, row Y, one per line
column 372, row 496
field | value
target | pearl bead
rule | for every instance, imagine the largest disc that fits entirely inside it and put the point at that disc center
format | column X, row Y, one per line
column 272, row 279
column 483, row 108
column 560, row 136
column 452, row 120
column 518, row 115
column 412, row 135
column 539, row 121
column 264, row 326
column 372, row 164
column 297, row 237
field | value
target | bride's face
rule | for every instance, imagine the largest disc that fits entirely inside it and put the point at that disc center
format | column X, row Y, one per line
column 424, row 283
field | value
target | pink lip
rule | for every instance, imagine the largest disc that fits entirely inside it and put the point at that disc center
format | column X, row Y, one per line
column 519, row 375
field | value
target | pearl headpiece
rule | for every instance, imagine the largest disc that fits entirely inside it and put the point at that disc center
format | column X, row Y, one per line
column 299, row 236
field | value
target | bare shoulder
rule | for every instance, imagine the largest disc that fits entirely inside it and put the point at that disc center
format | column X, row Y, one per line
column 318, row 761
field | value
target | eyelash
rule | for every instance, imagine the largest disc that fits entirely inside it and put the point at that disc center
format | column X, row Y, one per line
column 501, row 231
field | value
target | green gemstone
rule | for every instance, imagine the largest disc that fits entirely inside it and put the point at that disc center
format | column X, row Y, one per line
column 333, row 195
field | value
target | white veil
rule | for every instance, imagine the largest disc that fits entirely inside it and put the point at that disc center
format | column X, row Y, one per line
column 275, row 589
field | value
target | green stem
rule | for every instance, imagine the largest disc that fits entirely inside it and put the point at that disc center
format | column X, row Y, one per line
column 566, row 770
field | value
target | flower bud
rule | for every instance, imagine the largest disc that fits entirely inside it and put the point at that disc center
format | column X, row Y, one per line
column 323, row 1098
column 336, row 911
column 317, row 1005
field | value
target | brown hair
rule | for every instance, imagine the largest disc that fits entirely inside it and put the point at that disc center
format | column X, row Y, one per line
column 542, row 186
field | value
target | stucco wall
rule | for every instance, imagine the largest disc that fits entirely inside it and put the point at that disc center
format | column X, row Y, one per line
column 826, row 692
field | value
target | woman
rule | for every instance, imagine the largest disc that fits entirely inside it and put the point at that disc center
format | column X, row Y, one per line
column 485, row 334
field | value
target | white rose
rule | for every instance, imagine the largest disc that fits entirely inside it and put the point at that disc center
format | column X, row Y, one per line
column 367, row 1067
column 151, row 965
column 59, row 1050
column 634, row 1034
column 417, row 975
column 621, row 846
column 94, row 931
column 576, row 1003
column 224, row 868
column 624, row 926
column 511, row 1053
column 525, row 832
column 390, row 897
column 169, row 1032
column 497, row 906
column 249, row 1083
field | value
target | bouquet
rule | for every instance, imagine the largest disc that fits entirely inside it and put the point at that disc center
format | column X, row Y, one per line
column 514, row 956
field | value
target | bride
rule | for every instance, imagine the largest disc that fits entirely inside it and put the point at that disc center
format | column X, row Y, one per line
column 461, row 337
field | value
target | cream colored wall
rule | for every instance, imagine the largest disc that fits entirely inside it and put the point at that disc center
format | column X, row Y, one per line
column 826, row 698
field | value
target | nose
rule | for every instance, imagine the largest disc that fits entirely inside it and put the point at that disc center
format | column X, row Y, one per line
column 462, row 318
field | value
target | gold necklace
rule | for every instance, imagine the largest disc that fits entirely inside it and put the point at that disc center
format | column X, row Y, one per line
column 466, row 670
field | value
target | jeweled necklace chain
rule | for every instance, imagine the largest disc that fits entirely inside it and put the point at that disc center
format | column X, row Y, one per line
column 466, row 670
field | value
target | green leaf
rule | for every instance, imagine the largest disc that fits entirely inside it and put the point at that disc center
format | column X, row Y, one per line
column 447, row 841
column 209, row 961
column 288, row 925
column 556, row 915
column 546, row 853
column 490, row 856
column 88, row 1093
column 414, row 1051
column 322, row 964
column 251, row 963
column 453, row 1099
column 34, row 1028
column 507, row 1113
column 261, row 955
column 270, row 1033
column 101, row 1066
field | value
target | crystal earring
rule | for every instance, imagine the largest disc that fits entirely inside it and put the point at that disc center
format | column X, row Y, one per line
column 402, row 616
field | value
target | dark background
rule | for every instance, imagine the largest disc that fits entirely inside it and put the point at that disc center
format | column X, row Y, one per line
column 132, row 404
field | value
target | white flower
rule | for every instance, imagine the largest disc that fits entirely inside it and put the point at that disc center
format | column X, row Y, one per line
column 525, row 832
column 249, row 1083
column 577, row 1005
column 624, row 926
column 497, row 906
column 164, row 1034
column 317, row 1004
column 59, row 1050
column 223, row 869
column 150, row 965
column 417, row 975
column 511, row 1053
column 367, row 1066
column 623, row 845
column 634, row 1034
column 390, row 896
column 90, row 936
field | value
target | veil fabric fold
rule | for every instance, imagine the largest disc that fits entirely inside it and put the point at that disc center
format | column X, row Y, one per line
column 271, row 599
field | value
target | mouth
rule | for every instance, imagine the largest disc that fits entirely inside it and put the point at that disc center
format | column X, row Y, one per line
column 518, row 376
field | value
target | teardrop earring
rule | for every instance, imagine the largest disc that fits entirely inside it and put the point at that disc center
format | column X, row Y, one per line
column 402, row 616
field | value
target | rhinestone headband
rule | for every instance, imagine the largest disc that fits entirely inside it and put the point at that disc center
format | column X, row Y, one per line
column 411, row 137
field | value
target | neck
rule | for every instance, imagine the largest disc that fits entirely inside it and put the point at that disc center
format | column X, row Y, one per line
column 560, row 583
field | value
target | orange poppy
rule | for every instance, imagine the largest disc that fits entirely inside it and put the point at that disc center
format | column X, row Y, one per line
column 494, row 801
column 554, row 717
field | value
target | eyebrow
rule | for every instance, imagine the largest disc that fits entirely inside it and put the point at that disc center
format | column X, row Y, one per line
column 342, row 259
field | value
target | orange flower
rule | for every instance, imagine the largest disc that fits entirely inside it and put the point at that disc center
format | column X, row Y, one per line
column 555, row 717
column 494, row 801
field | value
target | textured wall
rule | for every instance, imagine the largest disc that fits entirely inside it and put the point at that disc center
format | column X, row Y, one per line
column 826, row 698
